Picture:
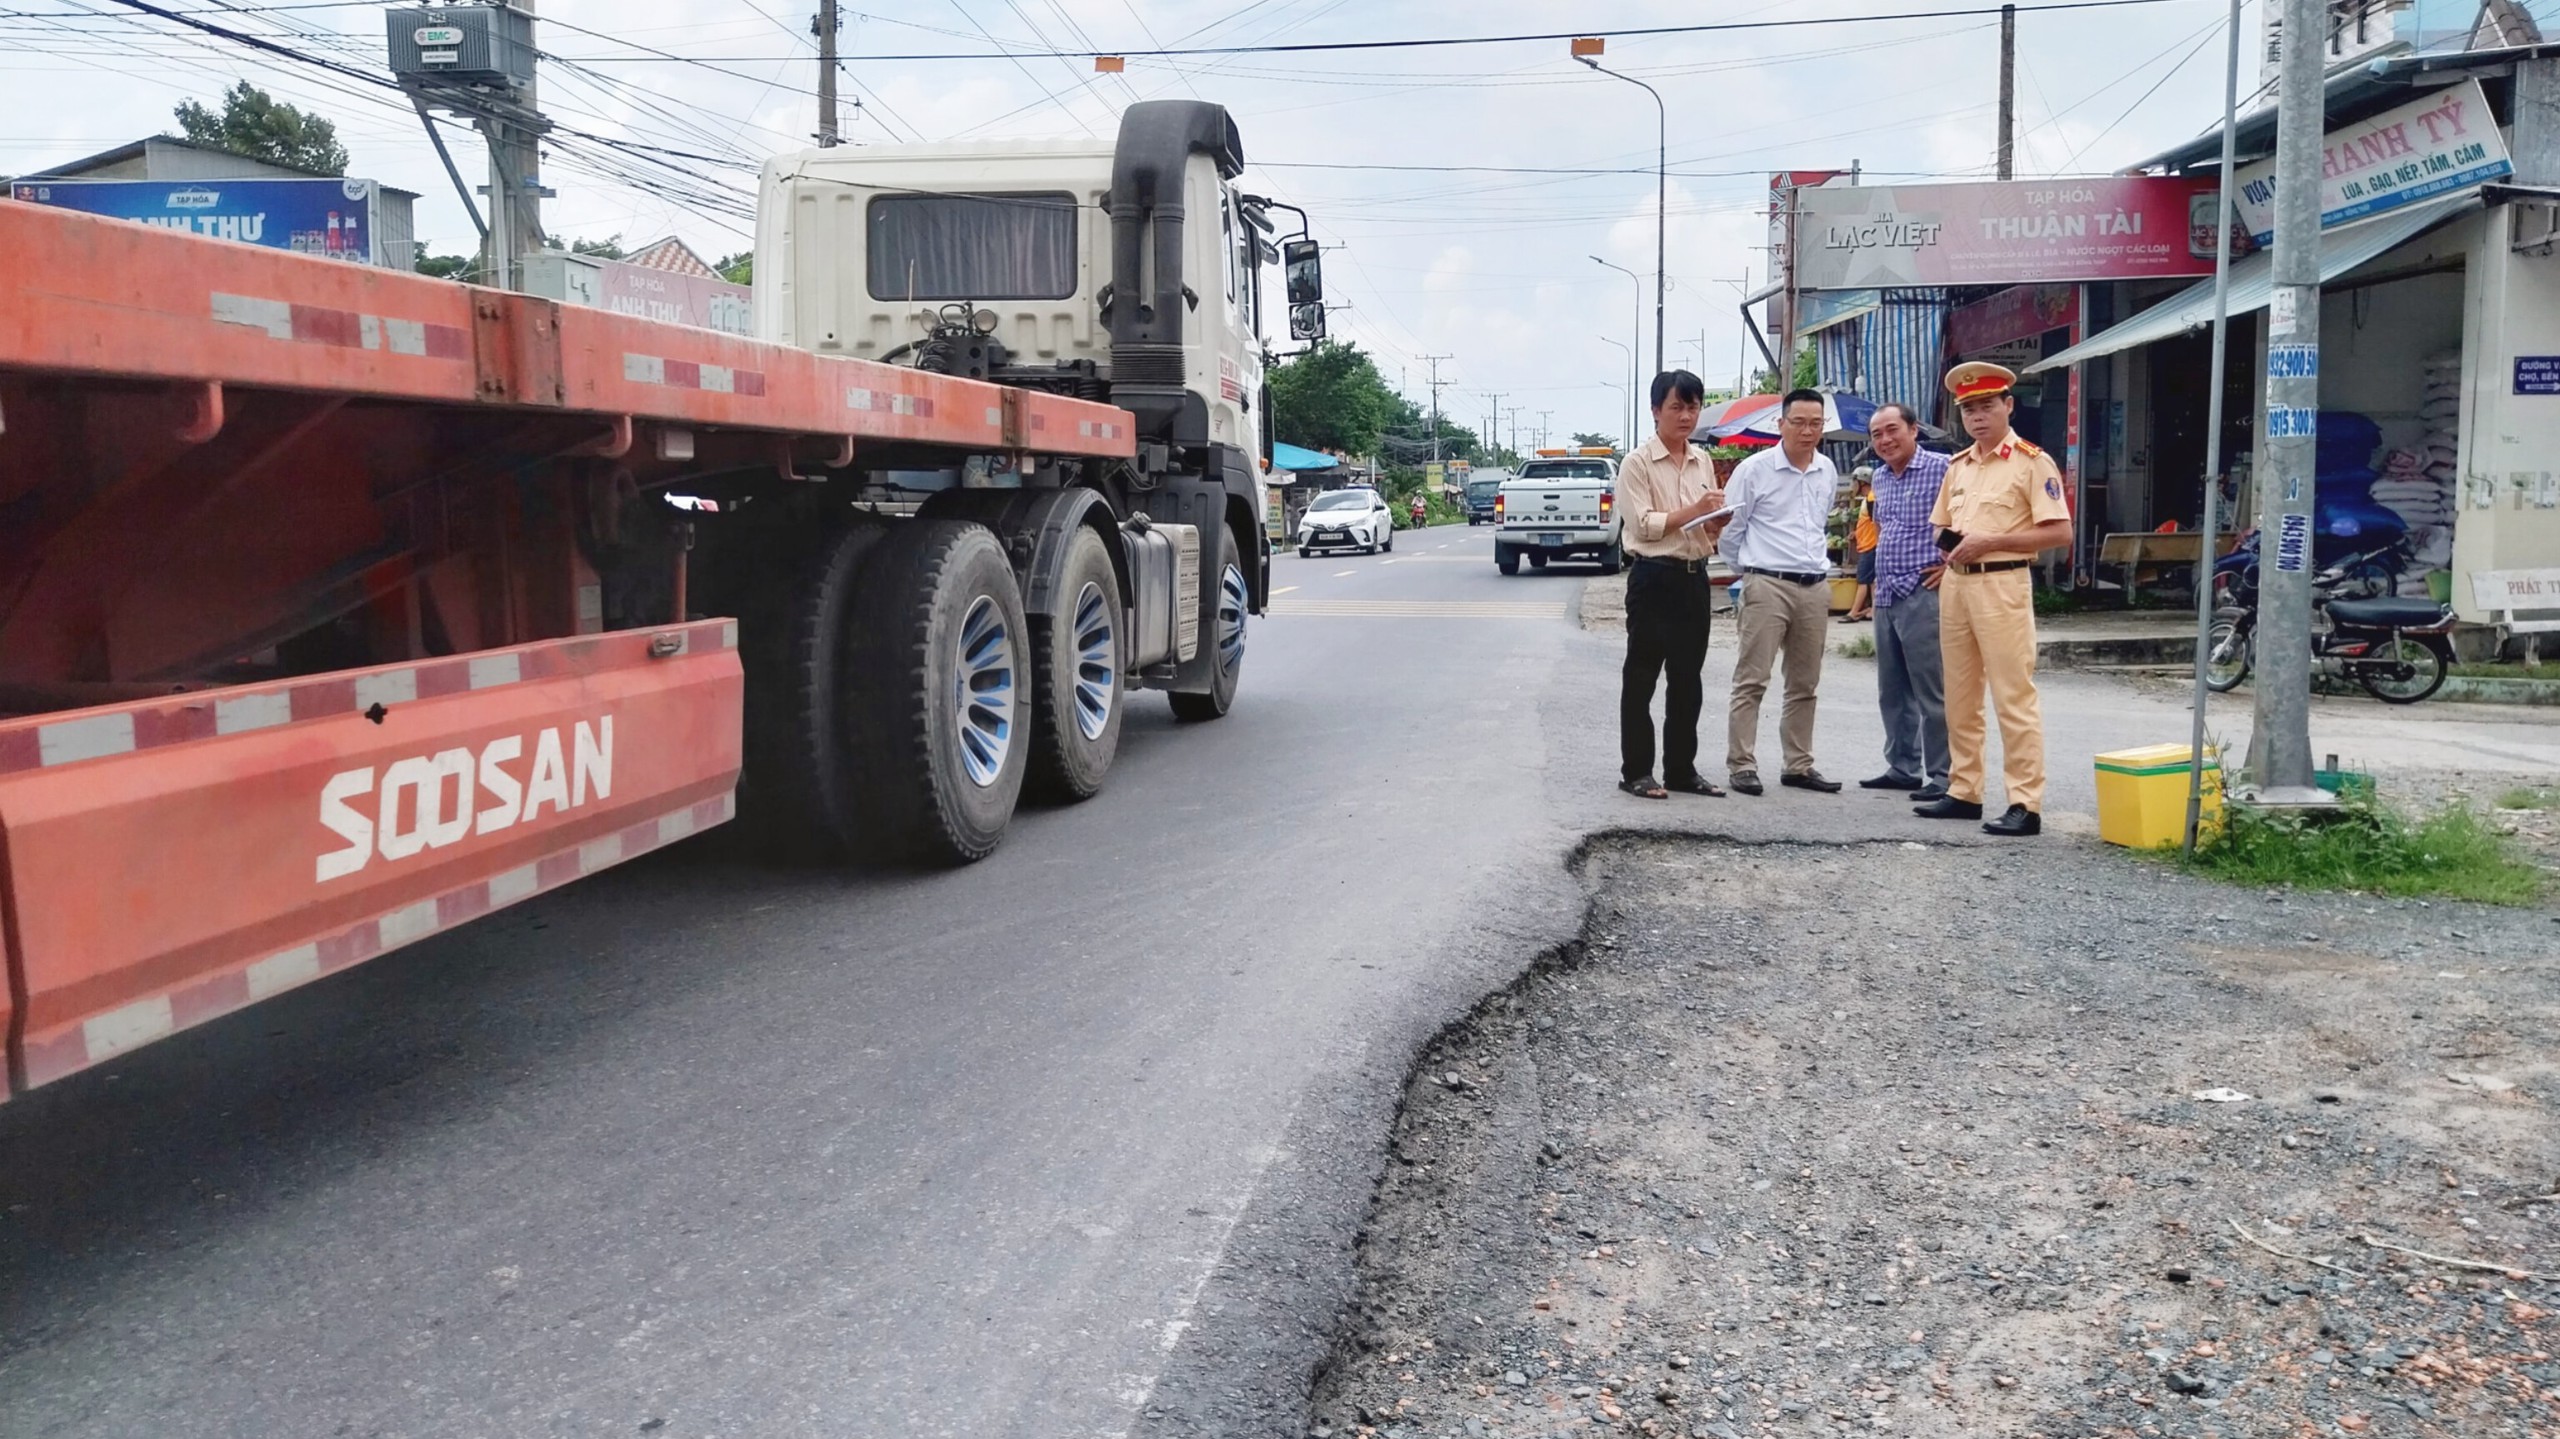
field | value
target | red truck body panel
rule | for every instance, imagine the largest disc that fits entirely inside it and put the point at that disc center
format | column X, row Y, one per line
column 210, row 450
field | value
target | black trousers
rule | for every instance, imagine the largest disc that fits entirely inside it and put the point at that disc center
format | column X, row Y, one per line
column 1668, row 611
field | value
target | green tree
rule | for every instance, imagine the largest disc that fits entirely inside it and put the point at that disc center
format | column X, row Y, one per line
column 1807, row 375
column 1331, row 398
column 608, row 248
column 738, row 269
column 447, row 267
column 254, row 124
column 1587, row 437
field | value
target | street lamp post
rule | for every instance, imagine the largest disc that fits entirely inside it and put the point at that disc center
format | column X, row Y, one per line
column 1631, row 353
column 1661, row 197
column 1626, row 391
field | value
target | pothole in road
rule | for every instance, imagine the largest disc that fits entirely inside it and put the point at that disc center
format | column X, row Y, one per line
column 1906, row 1140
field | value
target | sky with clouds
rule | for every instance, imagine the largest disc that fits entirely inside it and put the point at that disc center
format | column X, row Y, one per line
column 1432, row 169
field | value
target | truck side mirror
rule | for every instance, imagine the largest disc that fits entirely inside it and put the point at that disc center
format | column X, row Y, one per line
column 1306, row 322
column 1303, row 262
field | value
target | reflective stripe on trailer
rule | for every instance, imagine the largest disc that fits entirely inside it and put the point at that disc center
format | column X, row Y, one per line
column 690, row 375
column 320, row 325
column 202, row 714
column 71, row 1048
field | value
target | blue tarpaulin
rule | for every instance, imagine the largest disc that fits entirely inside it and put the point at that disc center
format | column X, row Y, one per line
column 1298, row 457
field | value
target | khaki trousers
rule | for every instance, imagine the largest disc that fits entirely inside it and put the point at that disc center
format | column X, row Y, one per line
column 1987, row 633
column 1777, row 616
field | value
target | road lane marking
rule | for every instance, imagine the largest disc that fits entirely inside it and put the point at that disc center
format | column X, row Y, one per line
column 1338, row 574
column 1284, row 589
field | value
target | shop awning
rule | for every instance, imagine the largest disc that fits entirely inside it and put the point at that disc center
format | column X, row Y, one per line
column 1286, row 456
column 2253, row 281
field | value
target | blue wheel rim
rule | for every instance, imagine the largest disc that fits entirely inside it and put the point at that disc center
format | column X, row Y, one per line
column 1097, row 638
column 1233, row 599
column 984, row 714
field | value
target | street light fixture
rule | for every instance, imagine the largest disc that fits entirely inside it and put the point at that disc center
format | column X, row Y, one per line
column 1631, row 354
column 1661, row 191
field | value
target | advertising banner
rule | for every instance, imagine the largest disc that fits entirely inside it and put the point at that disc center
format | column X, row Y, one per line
column 2426, row 148
column 335, row 218
column 2019, row 313
column 651, row 294
column 2118, row 227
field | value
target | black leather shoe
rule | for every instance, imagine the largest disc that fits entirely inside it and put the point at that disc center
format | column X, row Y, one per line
column 1811, row 779
column 1948, row 807
column 1891, row 781
column 1744, row 781
column 1926, row 793
column 2019, row 821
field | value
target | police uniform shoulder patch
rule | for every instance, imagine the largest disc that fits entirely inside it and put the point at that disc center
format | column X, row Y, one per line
column 2052, row 488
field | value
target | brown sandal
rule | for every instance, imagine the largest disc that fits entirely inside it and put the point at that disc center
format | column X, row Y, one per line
column 1644, row 788
column 1699, row 784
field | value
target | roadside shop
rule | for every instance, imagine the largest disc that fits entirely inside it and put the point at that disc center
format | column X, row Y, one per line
column 2439, row 330
column 2439, row 358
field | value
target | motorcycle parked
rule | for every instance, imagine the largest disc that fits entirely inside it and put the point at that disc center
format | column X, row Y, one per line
column 2399, row 650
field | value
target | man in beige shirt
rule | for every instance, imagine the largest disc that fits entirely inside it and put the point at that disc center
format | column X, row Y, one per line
column 1664, row 487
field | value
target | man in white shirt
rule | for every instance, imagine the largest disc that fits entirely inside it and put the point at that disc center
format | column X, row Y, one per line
column 1781, row 499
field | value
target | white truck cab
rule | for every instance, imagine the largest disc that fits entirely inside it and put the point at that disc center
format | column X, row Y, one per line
column 923, row 254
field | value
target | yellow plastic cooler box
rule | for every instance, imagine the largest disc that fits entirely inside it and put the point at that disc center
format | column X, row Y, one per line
column 2142, row 795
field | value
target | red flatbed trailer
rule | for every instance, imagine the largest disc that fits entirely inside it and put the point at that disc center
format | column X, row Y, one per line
column 219, row 464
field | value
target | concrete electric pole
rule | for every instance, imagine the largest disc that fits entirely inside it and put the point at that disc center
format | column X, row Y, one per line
column 824, row 27
column 2008, row 88
column 2280, row 740
column 1434, row 362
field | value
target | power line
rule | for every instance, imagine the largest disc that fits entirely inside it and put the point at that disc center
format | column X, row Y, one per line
column 1312, row 47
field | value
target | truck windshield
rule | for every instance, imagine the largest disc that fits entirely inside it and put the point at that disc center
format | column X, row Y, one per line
column 1568, row 470
column 972, row 247
column 1482, row 489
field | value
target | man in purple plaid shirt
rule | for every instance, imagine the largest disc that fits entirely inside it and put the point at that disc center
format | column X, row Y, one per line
column 1911, row 685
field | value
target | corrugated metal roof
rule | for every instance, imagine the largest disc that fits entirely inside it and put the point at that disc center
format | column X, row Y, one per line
column 2253, row 281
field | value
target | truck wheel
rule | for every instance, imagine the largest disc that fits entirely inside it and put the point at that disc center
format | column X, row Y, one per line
column 1505, row 558
column 1612, row 560
column 938, row 692
column 800, row 789
column 1075, row 676
column 1234, row 599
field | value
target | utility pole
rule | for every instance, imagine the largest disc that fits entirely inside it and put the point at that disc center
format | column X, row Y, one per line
column 825, row 28
column 2206, row 550
column 1434, row 362
column 2280, row 740
column 514, row 131
column 1493, row 423
column 2009, row 87
column 1543, row 417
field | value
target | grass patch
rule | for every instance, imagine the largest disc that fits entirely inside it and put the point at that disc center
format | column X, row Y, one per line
column 2451, row 854
column 1861, row 648
column 2057, row 602
column 2531, row 797
column 2507, row 670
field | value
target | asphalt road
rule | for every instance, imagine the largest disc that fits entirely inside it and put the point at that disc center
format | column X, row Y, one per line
column 1072, row 1143
column 699, row 1148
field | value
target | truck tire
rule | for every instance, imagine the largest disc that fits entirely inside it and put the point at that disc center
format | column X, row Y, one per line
column 1075, row 676
column 1505, row 558
column 800, row 793
column 1226, row 631
column 1612, row 560
column 936, row 689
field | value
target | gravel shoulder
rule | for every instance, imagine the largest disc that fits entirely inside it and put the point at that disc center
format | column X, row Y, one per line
column 1901, row 1139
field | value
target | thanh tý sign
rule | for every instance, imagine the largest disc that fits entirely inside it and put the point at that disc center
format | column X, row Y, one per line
column 2435, row 146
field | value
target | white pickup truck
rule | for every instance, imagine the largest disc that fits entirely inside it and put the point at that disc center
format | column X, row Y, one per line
column 1559, row 507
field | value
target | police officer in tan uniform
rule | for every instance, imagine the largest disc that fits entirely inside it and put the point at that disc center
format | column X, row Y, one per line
column 2000, row 506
